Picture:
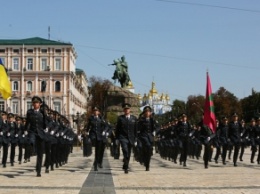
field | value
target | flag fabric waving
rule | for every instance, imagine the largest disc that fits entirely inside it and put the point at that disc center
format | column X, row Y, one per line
column 209, row 114
column 5, row 87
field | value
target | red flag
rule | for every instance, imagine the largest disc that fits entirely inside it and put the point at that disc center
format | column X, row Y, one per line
column 209, row 114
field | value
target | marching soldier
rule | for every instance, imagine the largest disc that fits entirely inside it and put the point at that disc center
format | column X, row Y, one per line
column 206, row 136
column 22, row 139
column 147, row 131
column 258, row 139
column 96, row 129
column 253, row 138
column 234, row 135
column 126, row 130
column 5, row 136
column 224, row 138
column 184, row 128
column 35, row 126
column 13, row 136
column 244, row 139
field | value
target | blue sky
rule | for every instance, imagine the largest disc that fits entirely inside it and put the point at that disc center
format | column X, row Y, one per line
column 172, row 43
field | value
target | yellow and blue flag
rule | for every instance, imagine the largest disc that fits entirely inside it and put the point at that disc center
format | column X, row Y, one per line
column 5, row 87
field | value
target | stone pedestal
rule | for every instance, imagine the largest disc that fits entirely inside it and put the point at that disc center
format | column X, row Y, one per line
column 116, row 96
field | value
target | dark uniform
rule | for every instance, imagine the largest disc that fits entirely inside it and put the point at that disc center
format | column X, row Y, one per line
column 126, row 130
column 234, row 135
column 252, row 131
column 183, row 130
column 5, row 134
column 147, row 130
column 22, row 139
column 244, row 139
column 258, row 139
column 96, row 128
column 206, row 137
column 13, row 136
column 35, row 126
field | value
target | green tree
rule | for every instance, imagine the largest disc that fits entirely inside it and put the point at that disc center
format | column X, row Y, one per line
column 98, row 88
column 195, row 108
column 226, row 103
column 251, row 105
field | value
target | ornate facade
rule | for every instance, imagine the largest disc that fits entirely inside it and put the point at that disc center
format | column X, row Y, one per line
column 159, row 103
column 30, row 62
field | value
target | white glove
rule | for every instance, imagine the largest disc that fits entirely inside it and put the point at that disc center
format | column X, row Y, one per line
column 1, row 133
column 46, row 130
column 107, row 134
column 79, row 137
column 57, row 135
column 111, row 143
column 52, row 132
column 64, row 137
column 190, row 134
column 171, row 140
column 208, row 139
column 163, row 137
column 241, row 134
column 25, row 132
column 16, row 135
column 87, row 133
column 8, row 134
column 155, row 133
column 171, row 132
column 135, row 143
column 103, row 133
column 23, row 135
column 62, row 133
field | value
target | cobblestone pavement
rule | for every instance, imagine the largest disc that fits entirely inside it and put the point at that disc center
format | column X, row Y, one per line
column 164, row 177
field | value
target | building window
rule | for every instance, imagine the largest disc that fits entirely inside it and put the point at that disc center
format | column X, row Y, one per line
column 58, row 51
column 30, row 50
column 15, row 107
column 3, row 60
column 44, row 50
column 16, row 51
column 29, row 86
column 16, row 64
column 30, row 64
column 2, row 50
column 44, row 64
column 15, row 86
column 43, row 84
column 2, row 105
column 57, row 86
column 29, row 105
column 57, row 106
column 57, row 64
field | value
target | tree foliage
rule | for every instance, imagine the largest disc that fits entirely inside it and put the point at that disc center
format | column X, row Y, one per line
column 250, row 105
column 98, row 88
column 226, row 103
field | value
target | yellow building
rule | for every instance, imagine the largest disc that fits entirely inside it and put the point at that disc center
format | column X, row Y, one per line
column 30, row 62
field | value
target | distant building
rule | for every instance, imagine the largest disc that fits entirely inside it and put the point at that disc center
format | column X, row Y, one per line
column 159, row 103
column 29, row 62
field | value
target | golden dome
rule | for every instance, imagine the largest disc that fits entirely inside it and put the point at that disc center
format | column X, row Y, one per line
column 153, row 90
column 162, row 97
column 130, row 85
column 139, row 96
column 167, row 97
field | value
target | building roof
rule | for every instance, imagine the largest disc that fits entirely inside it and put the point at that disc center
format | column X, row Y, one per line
column 31, row 41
